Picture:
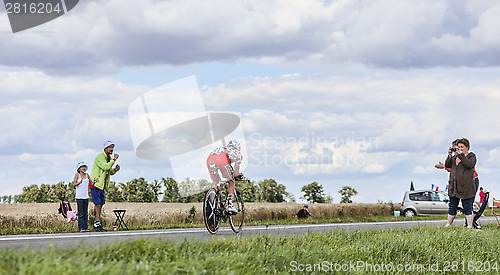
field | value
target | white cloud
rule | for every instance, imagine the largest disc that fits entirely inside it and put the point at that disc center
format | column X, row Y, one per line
column 58, row 115
column 105, row 36
column 494, row 156
column 26, row 157
column 417, row 111
column 419, row 169
column 374, row 168
column 51, row 114
column 380, row 125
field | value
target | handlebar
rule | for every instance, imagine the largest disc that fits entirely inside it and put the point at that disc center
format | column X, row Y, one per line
column 238, row 178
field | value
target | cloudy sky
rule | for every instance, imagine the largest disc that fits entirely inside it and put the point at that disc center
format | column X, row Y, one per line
column 367, row 94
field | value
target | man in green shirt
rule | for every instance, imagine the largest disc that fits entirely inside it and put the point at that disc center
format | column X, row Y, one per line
column 102, row 170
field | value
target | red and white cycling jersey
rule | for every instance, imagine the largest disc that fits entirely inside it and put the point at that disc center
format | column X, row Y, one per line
column 234, row 156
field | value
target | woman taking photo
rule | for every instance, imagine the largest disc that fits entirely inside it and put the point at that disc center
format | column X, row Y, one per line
column 461, row 185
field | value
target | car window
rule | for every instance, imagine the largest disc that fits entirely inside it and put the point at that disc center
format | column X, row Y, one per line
column 438, row 196
column 421, row 196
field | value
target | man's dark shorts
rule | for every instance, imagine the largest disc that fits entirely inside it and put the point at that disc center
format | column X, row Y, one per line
column 98, row 196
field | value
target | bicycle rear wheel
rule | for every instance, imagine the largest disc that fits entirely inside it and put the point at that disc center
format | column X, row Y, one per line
column 236, row 220
column 212, row 220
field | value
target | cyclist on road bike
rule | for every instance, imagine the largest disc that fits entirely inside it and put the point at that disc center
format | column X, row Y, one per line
column 222, row 158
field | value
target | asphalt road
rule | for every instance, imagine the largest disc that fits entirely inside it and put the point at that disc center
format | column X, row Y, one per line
column 104, row 238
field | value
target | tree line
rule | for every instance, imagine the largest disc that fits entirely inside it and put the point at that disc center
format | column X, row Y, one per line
column 314, row 192
column 169, row 190
column 164, row 190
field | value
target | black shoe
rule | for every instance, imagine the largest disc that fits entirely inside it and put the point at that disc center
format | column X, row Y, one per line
column 99, row 228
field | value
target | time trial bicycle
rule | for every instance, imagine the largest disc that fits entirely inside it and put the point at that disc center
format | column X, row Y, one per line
column 215, row 207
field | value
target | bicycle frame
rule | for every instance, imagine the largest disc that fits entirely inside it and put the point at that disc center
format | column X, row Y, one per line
column 221, row 209
column 215, row 209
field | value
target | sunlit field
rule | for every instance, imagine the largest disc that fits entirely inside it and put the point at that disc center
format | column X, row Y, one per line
column 44, row 218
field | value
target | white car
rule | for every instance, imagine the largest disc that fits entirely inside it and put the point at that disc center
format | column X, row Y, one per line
column 428, row 202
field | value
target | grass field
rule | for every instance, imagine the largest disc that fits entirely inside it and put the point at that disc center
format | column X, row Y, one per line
column 26, row 218
column 41, row 218
column 418, row 250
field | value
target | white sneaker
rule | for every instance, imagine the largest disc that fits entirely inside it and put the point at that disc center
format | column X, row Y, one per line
column 232, row 209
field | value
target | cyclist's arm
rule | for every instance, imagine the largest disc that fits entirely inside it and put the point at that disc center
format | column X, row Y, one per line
column 237, row 164
column 236, row 170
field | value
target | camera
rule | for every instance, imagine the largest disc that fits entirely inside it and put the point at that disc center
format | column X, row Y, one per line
column 453, row 149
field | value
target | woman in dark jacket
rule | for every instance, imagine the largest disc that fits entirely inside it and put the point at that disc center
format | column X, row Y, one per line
column 461, row 185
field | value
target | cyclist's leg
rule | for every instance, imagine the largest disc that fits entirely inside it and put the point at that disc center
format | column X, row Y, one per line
column 222, row 161
column 211, row 160
column 228, row 174
column 230, row 189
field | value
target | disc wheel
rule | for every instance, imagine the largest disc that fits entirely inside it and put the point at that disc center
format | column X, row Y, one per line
column 236, row 220
column 212, row 220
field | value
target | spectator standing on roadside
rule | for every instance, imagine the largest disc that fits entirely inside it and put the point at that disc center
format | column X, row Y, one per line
column 101, row 172
column 440, row 165
column 81, row 183
column 481, row 195
column 304, row 212
column 461, row 185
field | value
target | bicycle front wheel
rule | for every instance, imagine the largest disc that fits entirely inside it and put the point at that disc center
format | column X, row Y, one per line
column 212, row 220
column 236, row 220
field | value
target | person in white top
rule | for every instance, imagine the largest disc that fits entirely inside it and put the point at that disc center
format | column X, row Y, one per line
column 81, row 182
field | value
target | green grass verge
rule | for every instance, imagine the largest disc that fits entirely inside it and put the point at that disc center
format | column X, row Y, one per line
column 418, row 250
column 17, row 230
